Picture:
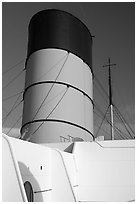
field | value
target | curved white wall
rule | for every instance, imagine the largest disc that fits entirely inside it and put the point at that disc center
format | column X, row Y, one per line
column 75, row 107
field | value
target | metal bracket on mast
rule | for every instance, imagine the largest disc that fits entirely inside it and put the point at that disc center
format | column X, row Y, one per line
column 109, row 65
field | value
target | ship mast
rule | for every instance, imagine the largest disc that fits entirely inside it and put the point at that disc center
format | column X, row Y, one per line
column 109, row 65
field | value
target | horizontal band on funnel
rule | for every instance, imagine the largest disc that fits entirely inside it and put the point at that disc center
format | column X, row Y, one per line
column 58, row 82
column 57, row 120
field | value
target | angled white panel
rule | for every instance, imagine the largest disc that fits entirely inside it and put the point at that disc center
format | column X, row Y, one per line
column 12, row 184
column 106, row 171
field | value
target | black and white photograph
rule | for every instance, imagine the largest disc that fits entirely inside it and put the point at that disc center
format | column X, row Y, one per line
column 68, row 101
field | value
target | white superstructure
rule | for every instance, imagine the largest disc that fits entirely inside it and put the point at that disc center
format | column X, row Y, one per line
column 93, row 171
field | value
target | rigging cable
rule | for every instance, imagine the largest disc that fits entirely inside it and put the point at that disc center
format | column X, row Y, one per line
column 14, row 125
column 101, row 86
column 104, row 92
column 50, row 112
column 102, row 121
column 5, row 118
column 120, row 122
column 43, row 75
column 5, row 99
column 3, row 109
column 50, row 88
column 9, row 69
column 122, row 118
column 100, row 93
column 50, row 100
column 101, row 127
column 13, row 108
column 109, row 124
column 122, row 102
column 127, row 130
column 13, row 79
column 117, row 129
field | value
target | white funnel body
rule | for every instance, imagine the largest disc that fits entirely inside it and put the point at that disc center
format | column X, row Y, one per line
column 76, row 108
column 58, row 96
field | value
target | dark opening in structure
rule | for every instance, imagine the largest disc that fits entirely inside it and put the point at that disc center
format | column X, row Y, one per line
column 29, row 191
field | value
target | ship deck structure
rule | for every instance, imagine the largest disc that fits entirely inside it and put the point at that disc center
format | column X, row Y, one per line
column 57, row 157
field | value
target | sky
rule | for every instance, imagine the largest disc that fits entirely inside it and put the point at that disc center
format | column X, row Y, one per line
column 113, row 25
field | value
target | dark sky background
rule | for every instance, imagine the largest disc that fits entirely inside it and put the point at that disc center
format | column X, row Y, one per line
column 113, row 25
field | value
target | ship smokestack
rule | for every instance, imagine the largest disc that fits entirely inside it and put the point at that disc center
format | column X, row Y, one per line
column 58, row 96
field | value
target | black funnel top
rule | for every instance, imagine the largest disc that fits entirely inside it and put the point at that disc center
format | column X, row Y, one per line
column 58, row 29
